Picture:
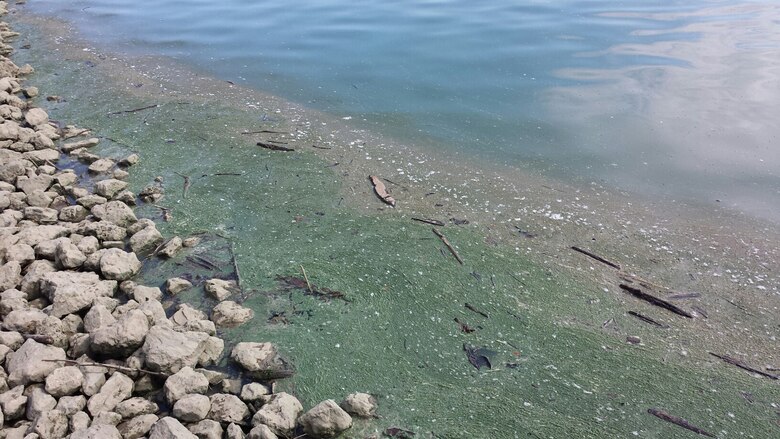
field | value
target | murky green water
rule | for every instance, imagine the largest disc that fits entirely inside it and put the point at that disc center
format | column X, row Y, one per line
column 554, row 372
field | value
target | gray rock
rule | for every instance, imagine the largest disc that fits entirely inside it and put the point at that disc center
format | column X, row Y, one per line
column 170, row 248
column 169, row 428
column 39, row 198
column 68, row 255
column 31, row 281
column 52, row 424
column 119, row 265
column 229, row 314
column 220, row 289
column 41, row 215
column 90, row 201
column 135, row 407
column 256, row 357
column 101, row 166
column 100, row 431
column 146, row 240
column 206, row 326
column 48, row 249
column 88, row 245
column 10, row 275
column 192, row 408
column 38, row 402
column 130, row 160
column 325, row 420
column 280, row 413
column 168, row 351
column 26, row 321
column 11, row 300
column 233, row 431
column 12, row 339
column 116, row 389
column 361, row 405
column 212, row 351
column 79, row 423
column 94, row 378
column 116, row 212
column 30, row 184
column 123, row 337
column 73, row 214
column 253, row 391
column 21, row 253
column 35, row 235
column 110, row 187
column 71, row 292
column 64, row 381
column 13, row 403
column 30, row 364
column 71, row 404
column 72, row 146
column 108, row 418
column 98, row 317
column 176, row 285
column 185, row 381
column 154, row 311
column 35, row 117
column 261, row 432
column 228, row 408
column 142, row 293
column 140, row 225
column 186, row 313
column 138, row 426
column 207, row 429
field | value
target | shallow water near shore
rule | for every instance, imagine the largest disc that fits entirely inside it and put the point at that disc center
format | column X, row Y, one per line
column 556, row 323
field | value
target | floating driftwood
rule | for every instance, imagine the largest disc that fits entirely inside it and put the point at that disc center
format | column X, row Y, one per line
column 324, row 294
column 647, row 319
column 134, row 110
column 381, row 190
column 741, row 365
column 110, row 366
column 676, row 420
column 596, row 257
column 398, row 433
column 636, row 292
column 273, row 147
column 465, row 328
column 470, row 307
column 187, row 183
column 263, row 132
column 432, row 222
column 449, row 246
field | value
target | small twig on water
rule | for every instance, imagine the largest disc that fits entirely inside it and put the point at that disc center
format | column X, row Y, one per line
column 449, row 246
column 305, row 277
column 676, row 420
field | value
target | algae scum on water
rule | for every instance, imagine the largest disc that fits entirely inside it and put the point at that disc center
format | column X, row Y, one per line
column 397, row 316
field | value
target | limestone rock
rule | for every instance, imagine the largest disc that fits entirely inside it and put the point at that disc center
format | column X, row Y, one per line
column 168, row 351
column 13, row 403
column 72, row 146
column 138, row 426
column 10, row 275
column 207, row 429
column 176, row 285
column 119, row 265
column 35, row 235
column 35, row 117
column 185, row 381
column 325, row 420
column 220, row 289
column 80, row 422
column 68, row 256
column 27, row 364
column 21, row 253
column 41, row 215
column 228, row 408
column 94, row 378
column 168, row 428
column 192, row 408
column 108, row 418
column 230, row 314
column 256, row 358
column 116, row 389
column 52, row 424
column 73, row 214
column 261, row 432
column 142, row 293
column 88, row 244
column 38, row 402
column 253, row 391
column 98, row 317
column 90, row 201
column 212, row 351
column 26, row 321
column 123, row 337
column 100, row 431
column 280, row 413
column 70, row 405
column 146, row 240
column 110, row 187
column 186, row 313
column 12, row 339
column 361, row 405
column 233, row 431
column 134, row 407
column 64, row 381
column 116, row 212
column 170, row 248
column 101, row 166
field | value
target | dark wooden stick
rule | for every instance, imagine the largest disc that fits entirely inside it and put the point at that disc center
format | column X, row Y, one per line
column 647, row 319
column 187, row 184
column 596, row 257
column 235, row 265
column 471, row 308
column 449, row 246
column 320, row 147
column 263, row 132
column 134, row 110
column 676, row 420
column 273, row 147
column 432, row 222
column 110, row 366
column 741, row 365
column 636, row 292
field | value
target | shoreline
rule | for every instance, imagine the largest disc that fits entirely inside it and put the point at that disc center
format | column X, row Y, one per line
column 87, row 351
column 557, row 234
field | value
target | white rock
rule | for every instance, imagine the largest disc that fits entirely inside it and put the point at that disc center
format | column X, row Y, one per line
column 220, row 289
column 207, row 429
column 146, row 240
column 185, row 381
column 26, row 321
column 134, row 407
column 280, row 413
column 142, row 293
column 118, row 264
column 52, row 424
column 98, row 317
column 228, row 408
column 116, row 389
column 253, row 391
column 123, row 337
column 110, row 187
column 212, row 351
column 108, row 418
column 192, row 408
column 21, row 253
column 101, row 431
column 41, row 215
column 64, row 381
column 176, row 285
column 138, row 426
column 13, row 403
column 325, row 420
column 168, row 351
column 10, row 275
column 229, row 314
column 101, row 166
column 89, row 143
column 38, row 402
column 116, row 212
column 261, row 432
column 255, row 357
column 27, row 364
column 70, row 405
column 79, row 422
column 169, row 428
column 68, row 255
column 35, row 117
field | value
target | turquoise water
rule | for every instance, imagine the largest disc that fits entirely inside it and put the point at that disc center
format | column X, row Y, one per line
column 674, row 99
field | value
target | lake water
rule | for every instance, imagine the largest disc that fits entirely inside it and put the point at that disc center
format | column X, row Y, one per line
column 676, row 99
